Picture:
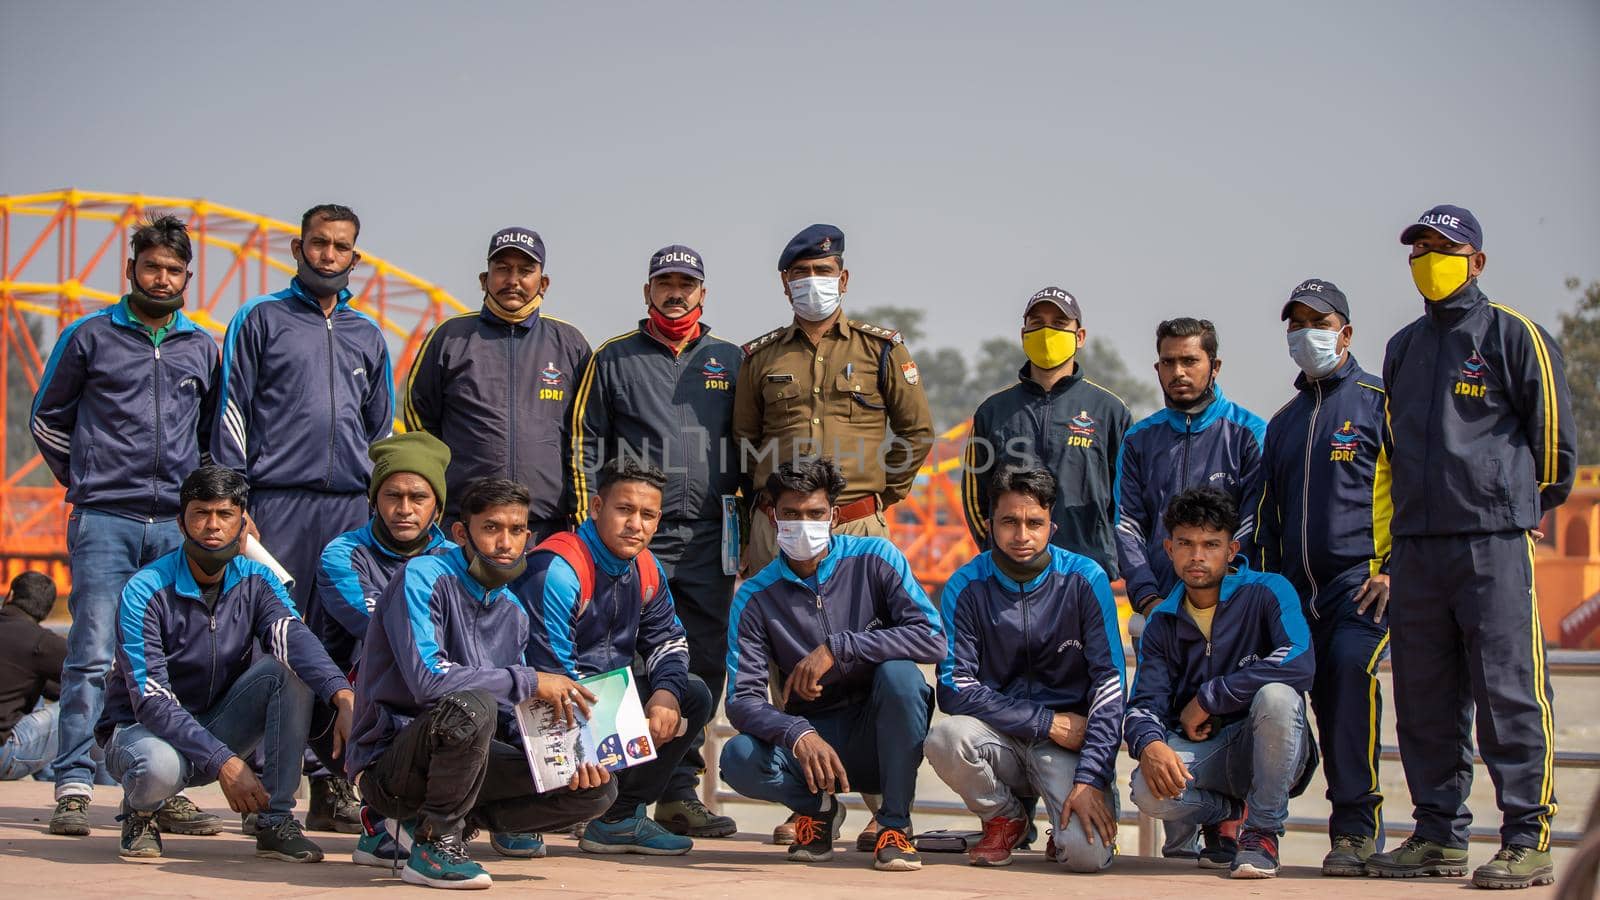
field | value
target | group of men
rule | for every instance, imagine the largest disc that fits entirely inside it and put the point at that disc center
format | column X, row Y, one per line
column 551, row 513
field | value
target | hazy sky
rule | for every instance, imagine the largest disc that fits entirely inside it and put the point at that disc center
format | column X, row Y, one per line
column 1156, row 159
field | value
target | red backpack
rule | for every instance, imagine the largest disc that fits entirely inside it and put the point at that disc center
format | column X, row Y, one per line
column 570, row 547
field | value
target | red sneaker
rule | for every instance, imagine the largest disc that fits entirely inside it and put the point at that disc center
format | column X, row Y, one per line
column 1000, row 836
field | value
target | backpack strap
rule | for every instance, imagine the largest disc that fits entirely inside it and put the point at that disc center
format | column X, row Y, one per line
column 649, row 575
column 570, row 547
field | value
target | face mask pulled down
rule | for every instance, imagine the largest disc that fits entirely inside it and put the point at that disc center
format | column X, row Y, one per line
column 156, row 307
column 1314, row 350
column 802, row 541
column 209, row 560
column 320, row 285
column 491, row 574
column 815, row 298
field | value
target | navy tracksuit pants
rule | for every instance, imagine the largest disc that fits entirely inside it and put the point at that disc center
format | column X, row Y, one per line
column 296, row 525
column 1348, row 704
column 1465, row 626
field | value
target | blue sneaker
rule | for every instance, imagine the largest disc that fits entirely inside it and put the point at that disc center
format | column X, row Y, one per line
column 635, row 834
column 519, row 846
column 376, row 847
column 1258, row 855
column 443, row 863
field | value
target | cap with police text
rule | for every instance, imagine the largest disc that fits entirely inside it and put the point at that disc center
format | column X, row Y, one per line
column 1456, row 223
column 516, row 237
column 814, row 242
column 1322, row 296
column 1063, row 301
column 677, row 258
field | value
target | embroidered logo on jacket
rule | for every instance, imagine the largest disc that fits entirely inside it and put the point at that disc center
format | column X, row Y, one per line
column 1081, row 430
column 1345, row 443
column 552, row 378
column 716, row 374
column 1471, row 383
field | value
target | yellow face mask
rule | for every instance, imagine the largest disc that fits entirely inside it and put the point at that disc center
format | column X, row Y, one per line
column 1048, row 348
column 1438, row 275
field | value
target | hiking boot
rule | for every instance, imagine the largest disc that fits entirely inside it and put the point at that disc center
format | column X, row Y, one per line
column 692, row 819
column 635, row 834
column 443, row 863
column 1418, row 857
column 895, row 852
column 1257, row 856
column 71, row 815
column 285, row 841
column 141, row 836
column 517, row 845
column 1220, row 844
column 376, row 847
column 1000, row 836
column 1515, row 866
column 180, row 815
column 249, row 824
column 1348, row 858
column 334, row 806
column 814, row 835
column 783, row 835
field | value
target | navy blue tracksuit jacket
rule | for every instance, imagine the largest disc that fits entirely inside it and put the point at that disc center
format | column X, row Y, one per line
column 354, row 570
column 1020, row 653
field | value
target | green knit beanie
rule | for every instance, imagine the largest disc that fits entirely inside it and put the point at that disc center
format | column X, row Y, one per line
column 417, row 452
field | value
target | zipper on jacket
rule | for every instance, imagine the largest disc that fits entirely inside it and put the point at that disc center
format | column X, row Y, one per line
column 1027, row 651
column 155, row 472
column 211, row 687
column 1305, row 500
column 511, row 408
column 1188, row 430
column 333, row 403
column 677, row 376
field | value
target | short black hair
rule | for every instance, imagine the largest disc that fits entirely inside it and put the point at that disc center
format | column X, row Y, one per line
column 34, row 593
column 1035, row 481
column 1204, row 507
column 162, row 231
column 330, row 212
column 209, row 483
column 805, row 476
column 626, row 467
column 1184, row 327
column 485, row 493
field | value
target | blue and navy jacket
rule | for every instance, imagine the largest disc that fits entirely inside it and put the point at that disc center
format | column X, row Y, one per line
column 603, row 633
column 1168, row 452
column 303, row 395
column 499, row 395
column 1323, row 521
column 674, row 409
column 1020, row 653
column 355, row 569
column 120, row 421
column 435, row 631
column 1258, row 637
column 177, row 658
column 864, row 603
column 1480, row 418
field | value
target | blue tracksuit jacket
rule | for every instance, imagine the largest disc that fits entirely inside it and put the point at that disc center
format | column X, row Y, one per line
column 354, row 570
column 1019, row 653
column 303, row 395
column 176, row 658
column 863, row 602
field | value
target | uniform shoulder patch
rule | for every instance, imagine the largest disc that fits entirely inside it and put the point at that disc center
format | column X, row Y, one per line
column 764, row 340
column 878, row 331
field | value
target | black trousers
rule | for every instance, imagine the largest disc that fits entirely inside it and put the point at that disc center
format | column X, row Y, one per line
column 1348, row 703
column 1464, row 622
column 446, row 770
column 643, row 785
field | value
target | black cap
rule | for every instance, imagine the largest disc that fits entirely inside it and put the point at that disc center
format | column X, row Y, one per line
column 1322, row 296
column 518, row 238
column 1063, row 301
column 677, row 258
column 815, row 242
column 1456, row 223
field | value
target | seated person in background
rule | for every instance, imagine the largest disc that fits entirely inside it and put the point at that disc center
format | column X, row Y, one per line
column 1217, row 719
column 598, row 597
column 30, row 669
column 842, row 624
column 190, row 705
column 435, row 747
column 1032, row 684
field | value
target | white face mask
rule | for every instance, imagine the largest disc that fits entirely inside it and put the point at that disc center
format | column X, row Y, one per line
column 1314, row 350
column 803, row 540
column 815, row 298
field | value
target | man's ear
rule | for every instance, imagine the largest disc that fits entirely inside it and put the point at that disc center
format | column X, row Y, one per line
column 1478, row 261
column 458, row 533
column 483, row 282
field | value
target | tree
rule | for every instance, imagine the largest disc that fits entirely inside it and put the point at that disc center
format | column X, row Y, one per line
column 1580, row 344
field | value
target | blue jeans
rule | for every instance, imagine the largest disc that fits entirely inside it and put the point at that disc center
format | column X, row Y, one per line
column 104, row 551
column 1257, row 760
column 32, row 744
column 267, row 705
column 879, row 742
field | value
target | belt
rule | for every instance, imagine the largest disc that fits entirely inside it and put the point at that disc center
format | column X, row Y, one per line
column 860, row 509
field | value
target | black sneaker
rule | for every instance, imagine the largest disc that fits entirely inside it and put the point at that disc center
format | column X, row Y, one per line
column 180, row 815
column 1220, row 844
column 895, row 852
column 287, row 842
column 334, row 806
column 814, row 835
column 141, row 836
column 71, row 816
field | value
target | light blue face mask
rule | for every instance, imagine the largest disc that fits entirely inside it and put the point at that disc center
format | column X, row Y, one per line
column 1315, row 350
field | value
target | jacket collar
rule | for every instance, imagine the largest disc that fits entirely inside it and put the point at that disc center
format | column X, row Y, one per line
column 656, row 342
column 486, row 314
column 184, row 585
column 1181, row 422
column 369, row 537
column 1457, row 306
column 121, row 316
column 824, row 568
column 1346, row 370
column 457, row 561
column 1009, row 584
column 604, row 559
column 299, row 291
column 1061, row 386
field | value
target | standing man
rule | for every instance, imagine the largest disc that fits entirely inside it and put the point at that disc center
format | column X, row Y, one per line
column 1483, row 447
column 496, row 385
column 1054, row 417
column 120, row 418
column 664, row 393
column 1324, row 524
column 30, row 670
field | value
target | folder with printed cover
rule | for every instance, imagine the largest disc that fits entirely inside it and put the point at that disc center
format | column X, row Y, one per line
column 615, row 736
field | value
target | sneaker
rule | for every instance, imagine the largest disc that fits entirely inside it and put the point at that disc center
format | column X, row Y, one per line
column 1515, row 866
column 1257, row 856
column 249, row 824
column 285, row 841
column 180, row 815
column 579, row 827
column 1348, row 858
column 1000, row 836
column 517, row 845
column 376, row 847
column 867, row 840
column 71, row 816
column 443, row 863
column 895, row 852
column 635, row 834
column 814, row 835
column 141, row 836
column 1418, row 857
column 1220, row 844
column 334, row 806
column 692, row 819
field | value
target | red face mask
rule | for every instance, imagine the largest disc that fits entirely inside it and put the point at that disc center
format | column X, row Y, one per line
column 675, row 330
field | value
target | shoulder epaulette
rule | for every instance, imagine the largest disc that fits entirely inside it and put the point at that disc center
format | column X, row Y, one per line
column 764, row 340
column 877, row 331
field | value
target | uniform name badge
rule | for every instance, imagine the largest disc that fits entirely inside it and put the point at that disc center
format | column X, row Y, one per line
column 730, row 535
